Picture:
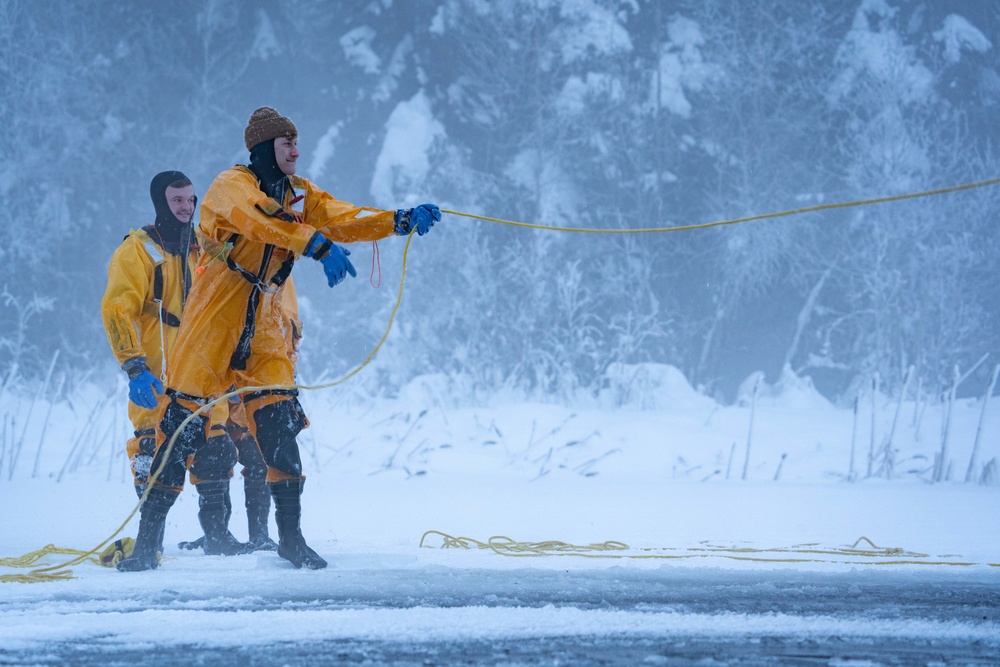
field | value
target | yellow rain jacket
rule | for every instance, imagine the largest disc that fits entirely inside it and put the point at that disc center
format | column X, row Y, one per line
column 141, row 309
column 144, row 299
column 222, row 309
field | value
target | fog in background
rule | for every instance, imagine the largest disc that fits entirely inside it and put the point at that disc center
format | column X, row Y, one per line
column 584, row 113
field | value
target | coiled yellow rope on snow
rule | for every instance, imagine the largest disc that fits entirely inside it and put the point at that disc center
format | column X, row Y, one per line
column 802, row 553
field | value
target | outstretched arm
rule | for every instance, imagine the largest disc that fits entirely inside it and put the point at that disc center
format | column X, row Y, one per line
column 343, row 222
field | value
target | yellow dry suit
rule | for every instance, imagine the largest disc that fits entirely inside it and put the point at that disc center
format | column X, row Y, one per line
column 141, row 308
column 235, row 332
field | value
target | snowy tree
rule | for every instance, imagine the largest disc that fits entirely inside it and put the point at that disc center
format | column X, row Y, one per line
column 604, row 114
column 908, row 284
column 507, row 115
column 759, row 120
column 58, row 177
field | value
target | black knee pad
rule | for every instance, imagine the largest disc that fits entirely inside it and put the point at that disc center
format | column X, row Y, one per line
column 187, row 443
column 147, row 441
column 277, row 426
column 214, row 459
column 193, row 435
column 250, row 458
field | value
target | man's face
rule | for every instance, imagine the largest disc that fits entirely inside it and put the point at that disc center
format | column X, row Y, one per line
column 285, row 154
column 181, row 202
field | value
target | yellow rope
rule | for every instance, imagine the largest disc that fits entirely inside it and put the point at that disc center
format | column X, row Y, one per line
column 733, row 221
column 499, row 544
column 29, row 559
column 803, row 553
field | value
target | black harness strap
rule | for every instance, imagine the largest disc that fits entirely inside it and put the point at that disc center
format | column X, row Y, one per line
column 241, row 354
column 147, row 441
column 169, row 318
column 257, row 279
column 174, row 395
column 269, row 392
column 249, row 276
column 166, row 316
column 187, row 276
column 285, row 270
column 158, row 283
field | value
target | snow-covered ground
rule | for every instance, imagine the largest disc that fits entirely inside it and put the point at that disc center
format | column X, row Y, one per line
column 763, row 569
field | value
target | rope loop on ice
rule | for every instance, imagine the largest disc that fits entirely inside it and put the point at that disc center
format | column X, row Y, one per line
column 800, row 553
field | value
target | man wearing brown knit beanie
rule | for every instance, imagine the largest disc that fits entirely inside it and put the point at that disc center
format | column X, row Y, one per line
column 232, row 333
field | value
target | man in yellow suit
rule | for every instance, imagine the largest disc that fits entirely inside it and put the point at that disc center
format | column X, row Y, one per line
column 149, row 279
column 233, row 332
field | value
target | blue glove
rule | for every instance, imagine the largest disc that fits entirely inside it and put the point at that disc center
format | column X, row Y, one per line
column 336, row 266
column 421, row 218
column 143, row 386
column 424, row 217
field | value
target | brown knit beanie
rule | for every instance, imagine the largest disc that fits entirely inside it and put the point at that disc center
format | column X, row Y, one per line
column 265, row 124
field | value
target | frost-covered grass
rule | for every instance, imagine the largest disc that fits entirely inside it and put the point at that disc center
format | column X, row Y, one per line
column 648, row 422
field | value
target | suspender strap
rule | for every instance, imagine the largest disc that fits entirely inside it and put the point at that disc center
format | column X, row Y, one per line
column 277, row 280
column 166, row 316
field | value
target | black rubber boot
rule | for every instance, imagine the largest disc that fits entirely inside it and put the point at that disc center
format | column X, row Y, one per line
column 214, row 509
column 139, row 490
column 192, row 545
column 200, row 542
column 288, row 514
column 258, row 502
column 152, row 521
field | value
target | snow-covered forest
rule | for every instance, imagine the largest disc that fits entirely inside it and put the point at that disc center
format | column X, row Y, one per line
column 585, row 113
column 736, row 419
